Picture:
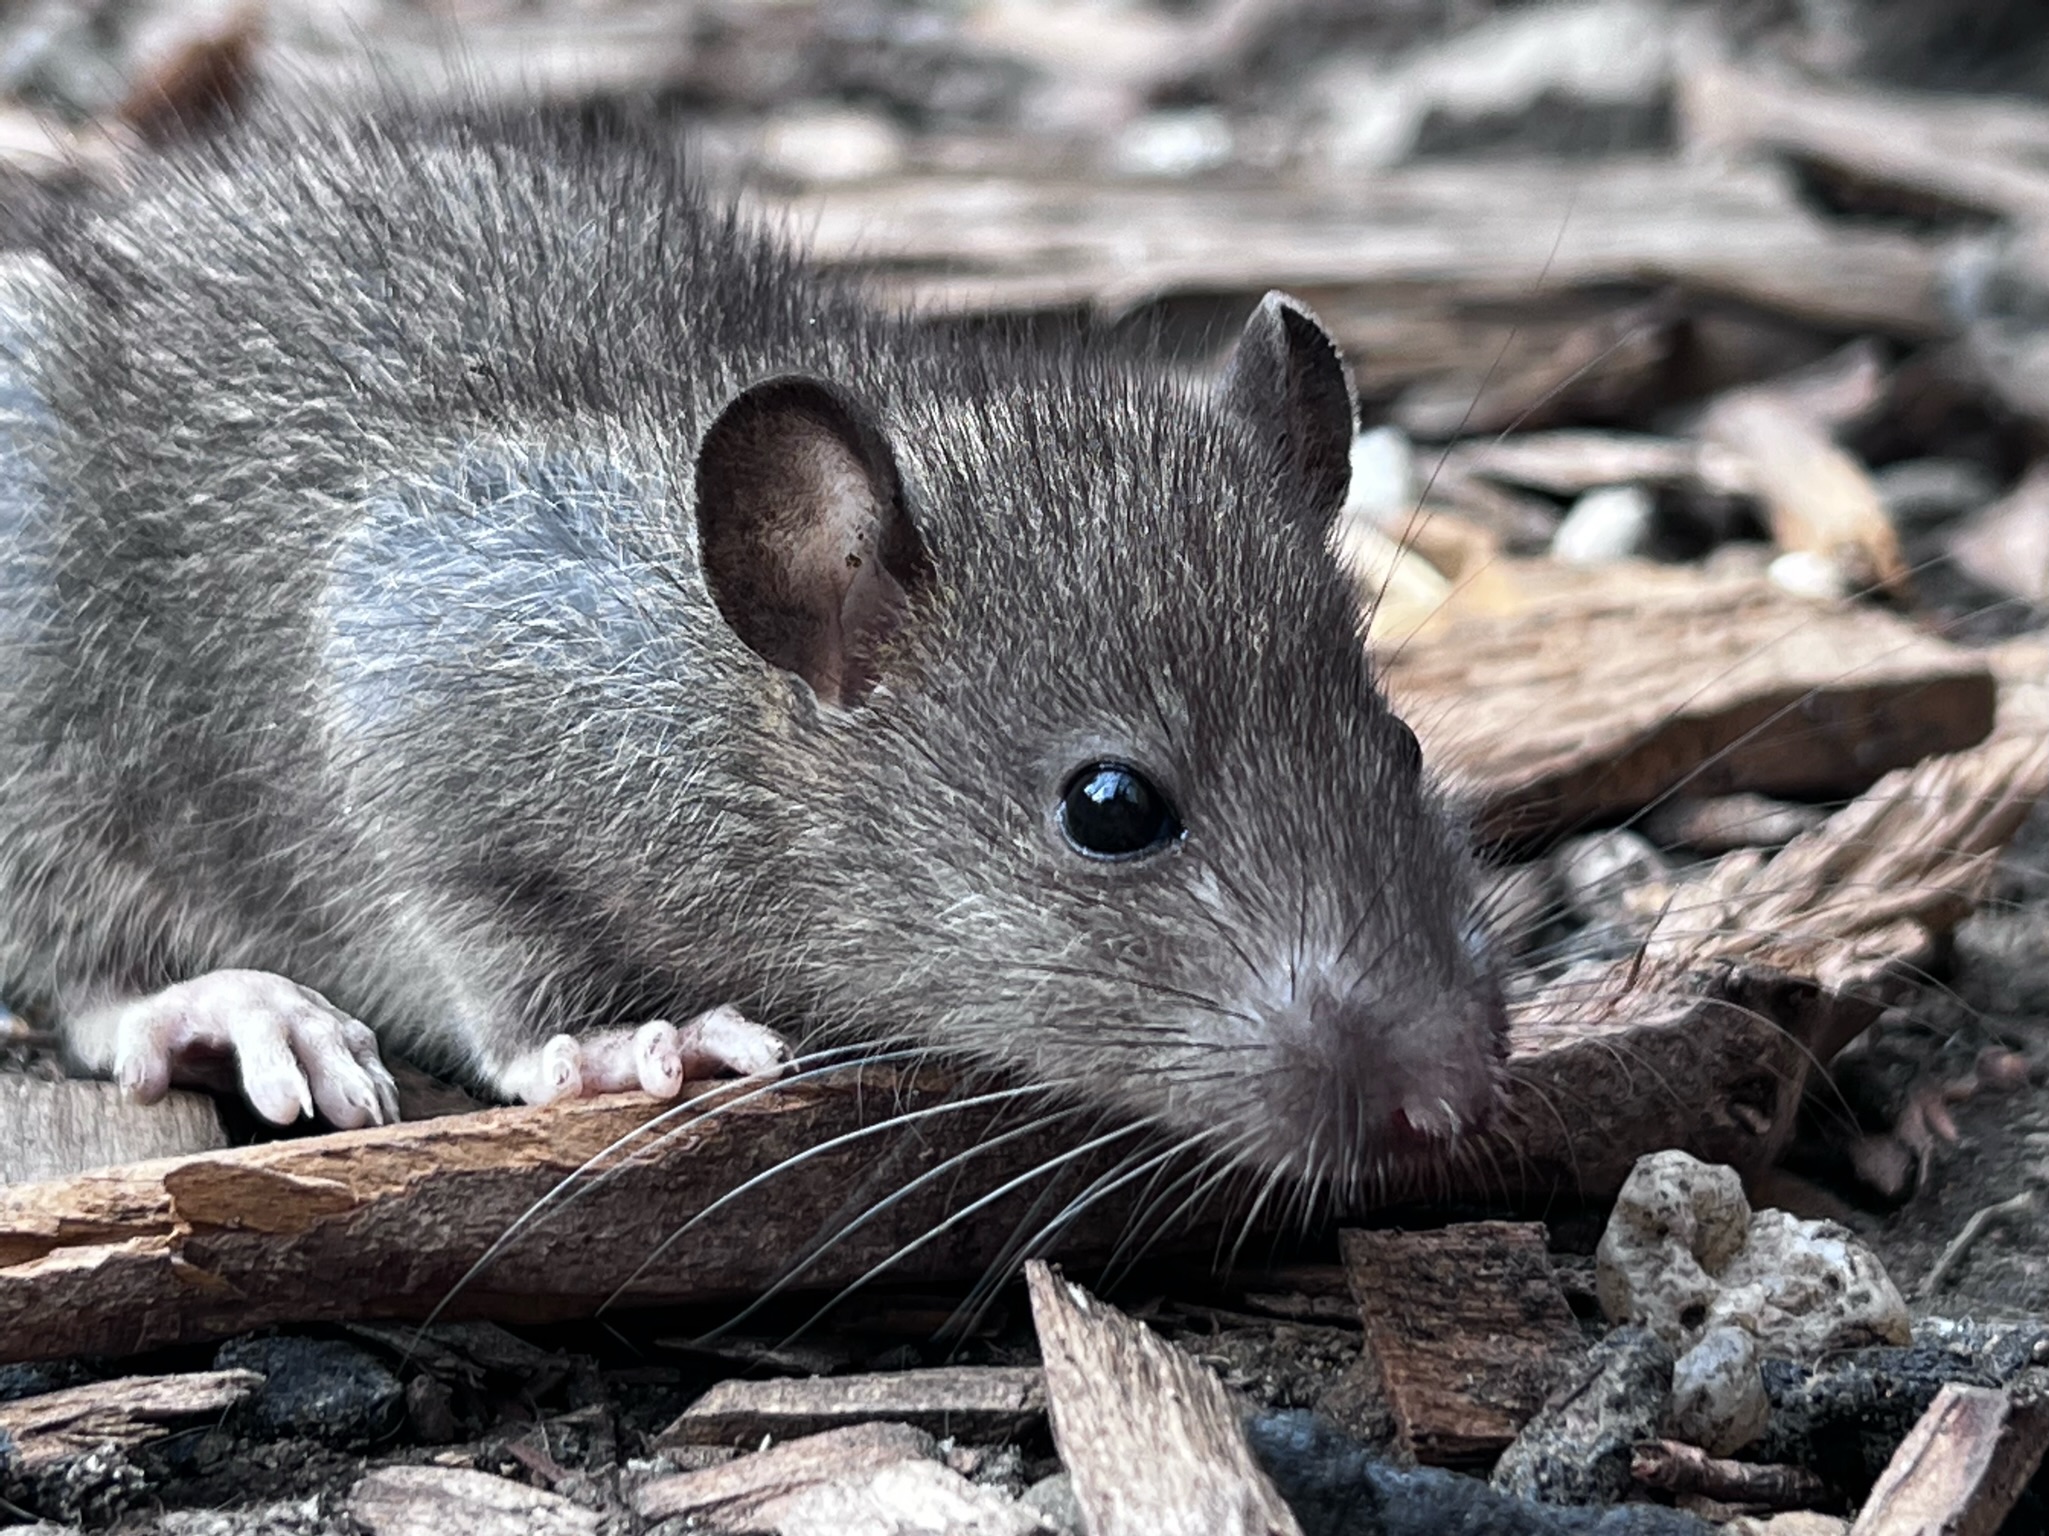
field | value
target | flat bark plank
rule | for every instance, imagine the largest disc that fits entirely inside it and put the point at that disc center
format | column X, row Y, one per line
column 41, row 1432
column 1383, row 253
column 967, row 1402
column 1570, row 462
column 1470, row 1329
column 1955, row 151
column 434, row 1501
column 1960, row 1469
column 51, row 1129
column 747, row 1488
column 1606, row 690
column 1150, row 1438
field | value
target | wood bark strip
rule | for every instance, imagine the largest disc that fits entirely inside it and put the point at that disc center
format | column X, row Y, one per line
column 1149, row 1436
column 1604, row 690
column 41, row 1432
column 967, row 1402
column 51, row 1129
column 1384, row 253
column 1960, row 1469
column 744, row 1489
column 434, row 1501
column 1470, row 1329
column 1951, row 151
column 1819, row 499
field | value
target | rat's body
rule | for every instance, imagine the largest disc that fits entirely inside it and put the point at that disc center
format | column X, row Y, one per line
column 354, row 630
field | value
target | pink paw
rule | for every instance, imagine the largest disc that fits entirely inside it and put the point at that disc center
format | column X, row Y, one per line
column 292, row 1050
column 657, row 1058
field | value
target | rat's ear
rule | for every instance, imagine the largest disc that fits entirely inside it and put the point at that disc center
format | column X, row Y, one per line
column 807, row 546
column 1286, row 378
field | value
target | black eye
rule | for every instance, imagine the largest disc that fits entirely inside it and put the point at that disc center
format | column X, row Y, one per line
column 1112, row 811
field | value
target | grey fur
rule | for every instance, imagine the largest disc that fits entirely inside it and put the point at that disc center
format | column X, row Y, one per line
column 355, row 632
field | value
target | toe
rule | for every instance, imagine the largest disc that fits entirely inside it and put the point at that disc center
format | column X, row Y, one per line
column 726, row 1040
column 658, row 1059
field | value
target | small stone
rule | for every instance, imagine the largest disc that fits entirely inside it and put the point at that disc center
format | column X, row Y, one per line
column 1576, row 1450
column 1384, row 485
column 1724, row 823
column 1922, row 493
column 831, row 147
column 316, row 1389
column 1805, row 573
column 1718, row 1397
column 2005, row 546
column 1684, row 1254
column 1595, row 871
column 1174, row 144
column 1605, row 525
column 1053, row 1497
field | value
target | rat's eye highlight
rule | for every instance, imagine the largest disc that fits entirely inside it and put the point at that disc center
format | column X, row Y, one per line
column 1112, row 811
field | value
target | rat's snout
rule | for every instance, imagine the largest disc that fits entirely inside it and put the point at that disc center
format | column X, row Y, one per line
column 1366, row 1081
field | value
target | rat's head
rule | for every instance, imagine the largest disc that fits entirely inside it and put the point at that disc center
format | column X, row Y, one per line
column 1098, row 786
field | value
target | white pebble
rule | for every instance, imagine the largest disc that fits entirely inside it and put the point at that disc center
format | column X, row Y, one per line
column 1718, row 1397
column 1177, row 144
column 1683, row 1254
column 1610, row 523
column 1804, row 573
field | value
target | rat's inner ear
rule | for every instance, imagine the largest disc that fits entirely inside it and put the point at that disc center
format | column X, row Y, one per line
column 807, row 545
column 1286, row 378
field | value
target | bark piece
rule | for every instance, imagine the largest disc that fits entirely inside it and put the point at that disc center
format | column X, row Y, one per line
column 1423, row 270
column 42, row 1432
column 51, row 1129
column 1150, row 1438
column 906, row 1498
column 433, row 1501
column 1952, row 152
column 1961, row 1469
column 1470, row 1328
column 748, row 1488
column 1548, row 717
column 965, row 1402
column 1820, row 500
column 1676, row 1469
column 1571, row 462
column 2004, row 547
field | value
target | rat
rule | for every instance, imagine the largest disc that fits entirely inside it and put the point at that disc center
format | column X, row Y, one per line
column 469, row 591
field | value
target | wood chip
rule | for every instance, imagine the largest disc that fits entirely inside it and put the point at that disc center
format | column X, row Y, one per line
column 748, row 1488
column 1547, row 718
column 1819, row 499
column 1399, row 262
column 1960, row 1469
column 907, row 1498
column 1150, row 1438
column 1570, row 463
column 433, row 1501
column 965, row 1402
column 49, row 1130
column 41, row 1432
column 1470, row 1329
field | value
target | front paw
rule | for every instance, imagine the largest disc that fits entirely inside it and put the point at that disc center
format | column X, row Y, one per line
column 292, row 1052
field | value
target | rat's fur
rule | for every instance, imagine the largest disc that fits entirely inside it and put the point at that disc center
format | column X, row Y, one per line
column 351, row 628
